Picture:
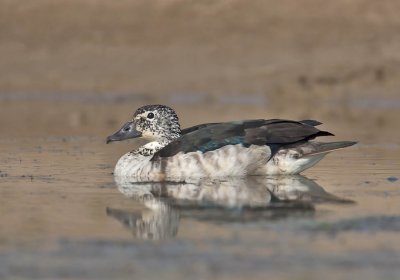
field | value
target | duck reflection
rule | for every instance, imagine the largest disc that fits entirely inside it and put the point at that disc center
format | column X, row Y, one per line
column 231, row 200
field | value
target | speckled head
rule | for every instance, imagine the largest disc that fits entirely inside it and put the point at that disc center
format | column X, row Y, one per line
column 152, row 122
column 157, row 121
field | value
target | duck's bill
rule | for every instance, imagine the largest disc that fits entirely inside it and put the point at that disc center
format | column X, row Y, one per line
column 127, row 131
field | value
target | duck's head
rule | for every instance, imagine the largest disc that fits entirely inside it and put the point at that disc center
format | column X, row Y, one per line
column 151, row 122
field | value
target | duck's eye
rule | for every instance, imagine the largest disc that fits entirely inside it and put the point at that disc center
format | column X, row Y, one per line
column 150, row 115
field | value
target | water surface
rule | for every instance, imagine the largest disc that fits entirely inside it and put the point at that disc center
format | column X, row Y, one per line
column 64, row 216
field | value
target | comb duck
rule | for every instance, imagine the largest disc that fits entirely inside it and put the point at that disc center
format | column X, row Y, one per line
column 217, row 150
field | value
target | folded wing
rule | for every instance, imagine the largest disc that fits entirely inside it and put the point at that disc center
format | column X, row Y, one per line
column 208, row 137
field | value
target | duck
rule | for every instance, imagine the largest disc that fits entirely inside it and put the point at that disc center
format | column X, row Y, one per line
column 257, row 147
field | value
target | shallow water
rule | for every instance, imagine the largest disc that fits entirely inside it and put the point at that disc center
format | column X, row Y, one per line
column 64, row 216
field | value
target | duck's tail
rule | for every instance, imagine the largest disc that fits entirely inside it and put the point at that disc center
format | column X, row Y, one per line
column 312, row 148
column 294, row 159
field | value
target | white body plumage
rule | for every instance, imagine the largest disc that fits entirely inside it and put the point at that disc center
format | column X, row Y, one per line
column 228, row 161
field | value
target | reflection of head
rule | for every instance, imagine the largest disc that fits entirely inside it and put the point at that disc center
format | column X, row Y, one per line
column 156, row 223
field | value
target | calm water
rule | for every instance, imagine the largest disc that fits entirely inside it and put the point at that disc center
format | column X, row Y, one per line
column 64, row 216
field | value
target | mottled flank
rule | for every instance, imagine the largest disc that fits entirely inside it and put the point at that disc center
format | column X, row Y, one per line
column 230, row 149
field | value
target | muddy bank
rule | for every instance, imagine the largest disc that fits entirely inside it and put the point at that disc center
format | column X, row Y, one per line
column 301, row 48
column 348, row 119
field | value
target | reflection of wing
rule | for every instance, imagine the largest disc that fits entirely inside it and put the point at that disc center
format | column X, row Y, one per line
column 208, row 137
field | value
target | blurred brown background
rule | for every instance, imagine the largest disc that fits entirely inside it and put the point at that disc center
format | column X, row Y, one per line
column 80, row 67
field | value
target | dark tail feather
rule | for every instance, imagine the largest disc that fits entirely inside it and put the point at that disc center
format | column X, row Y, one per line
column 313, row 148
column 311, row 122
column 324, row 133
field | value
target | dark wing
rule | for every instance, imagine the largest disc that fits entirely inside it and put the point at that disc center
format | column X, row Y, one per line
column 208, row 137
column 197, row 127
column 311, row 122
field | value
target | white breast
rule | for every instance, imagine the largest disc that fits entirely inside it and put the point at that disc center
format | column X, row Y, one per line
column 138, row 167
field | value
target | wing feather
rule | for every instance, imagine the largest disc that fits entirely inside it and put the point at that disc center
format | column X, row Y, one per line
column 211, row 136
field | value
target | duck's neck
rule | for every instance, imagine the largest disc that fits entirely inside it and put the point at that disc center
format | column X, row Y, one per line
column 151, row 148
